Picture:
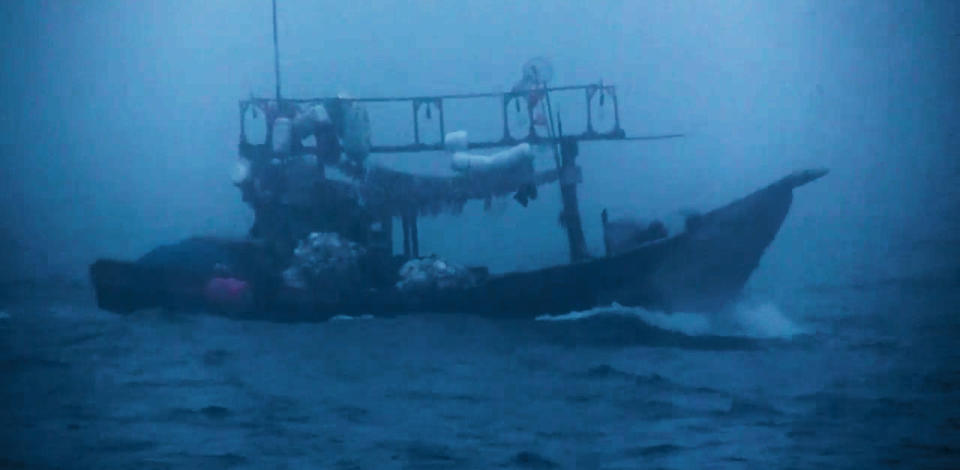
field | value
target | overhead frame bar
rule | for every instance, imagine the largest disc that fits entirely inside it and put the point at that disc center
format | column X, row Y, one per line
column 269, row 107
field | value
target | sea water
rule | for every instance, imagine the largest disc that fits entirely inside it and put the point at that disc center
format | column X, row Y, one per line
column 843, row 376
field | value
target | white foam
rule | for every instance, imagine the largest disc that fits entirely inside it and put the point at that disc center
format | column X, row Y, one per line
column 614, row 309
column 750, row 320
column 687, row 323
column 692, row 324
column 349, row 317
column 764, row 320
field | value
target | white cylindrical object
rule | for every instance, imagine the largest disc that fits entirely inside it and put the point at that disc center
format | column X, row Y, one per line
column 356, row 132
column 241, row 171
column 515, row 156
column 282, row 135
column 456, row 141
column 309, row 120
column 254, row 126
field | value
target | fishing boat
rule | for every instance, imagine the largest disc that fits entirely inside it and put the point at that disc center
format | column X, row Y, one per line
column 321, row 206
column 701, row 269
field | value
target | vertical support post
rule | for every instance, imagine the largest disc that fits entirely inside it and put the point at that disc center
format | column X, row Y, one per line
column 411, row 235
column 506, row 129
column 616, row 112
column 416, row 122
column 405, row 225
column 443, row 124
column 387, row 224
column 570, row 216
column 380, row 236
column 532, row 132
column 414, row 236
column 589, row 94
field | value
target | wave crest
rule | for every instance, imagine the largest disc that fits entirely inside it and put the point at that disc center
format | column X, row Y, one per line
column 754, row 320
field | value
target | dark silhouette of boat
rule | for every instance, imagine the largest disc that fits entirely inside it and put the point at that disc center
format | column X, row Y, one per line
column 284, row 178
column 702, row 269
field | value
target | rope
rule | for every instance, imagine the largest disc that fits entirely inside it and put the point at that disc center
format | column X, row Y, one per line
column 552, row 133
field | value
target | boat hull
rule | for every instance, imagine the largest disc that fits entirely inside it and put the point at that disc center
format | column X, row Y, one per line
column 702, row 269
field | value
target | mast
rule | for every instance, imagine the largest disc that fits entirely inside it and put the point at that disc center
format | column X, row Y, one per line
column 276, row 52
column 569, row 178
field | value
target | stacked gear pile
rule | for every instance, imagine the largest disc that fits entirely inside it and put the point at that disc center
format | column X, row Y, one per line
column 432, row 274
column 325, row 262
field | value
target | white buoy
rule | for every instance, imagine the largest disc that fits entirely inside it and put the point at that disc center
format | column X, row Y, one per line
column 241, row 171
column 456, row 141
column 254, row 126
column 356, row 132
column 282, row 135
column 309, row 120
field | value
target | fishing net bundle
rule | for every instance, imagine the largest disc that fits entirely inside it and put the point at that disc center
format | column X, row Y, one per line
column 431, row 274
column 325, row 262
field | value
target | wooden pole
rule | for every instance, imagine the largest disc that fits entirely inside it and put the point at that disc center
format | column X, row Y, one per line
column 414, row 236
column 411, row 235
column 569, row 177
column 405, row 224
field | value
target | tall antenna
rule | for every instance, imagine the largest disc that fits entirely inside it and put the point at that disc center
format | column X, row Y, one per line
column 276, row 52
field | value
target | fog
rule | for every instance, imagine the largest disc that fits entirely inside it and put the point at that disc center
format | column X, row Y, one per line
column 120, row 119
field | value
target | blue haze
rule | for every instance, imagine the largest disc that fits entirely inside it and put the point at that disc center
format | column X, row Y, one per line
column 120, row 121
column 118, row 132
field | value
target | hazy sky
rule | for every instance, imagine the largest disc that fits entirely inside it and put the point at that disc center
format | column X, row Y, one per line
column 120, row 118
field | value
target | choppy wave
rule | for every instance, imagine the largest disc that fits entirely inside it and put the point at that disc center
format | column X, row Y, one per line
column 456, row 391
